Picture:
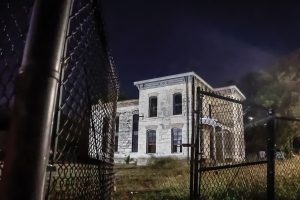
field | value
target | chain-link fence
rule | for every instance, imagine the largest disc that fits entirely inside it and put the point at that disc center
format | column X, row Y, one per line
column 243, row 151
column 82, row 143
column 14, row 23
column 230, row 147
column 287, row 163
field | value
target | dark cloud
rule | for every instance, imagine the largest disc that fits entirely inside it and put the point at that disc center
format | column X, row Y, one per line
column 227, row 58
column 220, row 41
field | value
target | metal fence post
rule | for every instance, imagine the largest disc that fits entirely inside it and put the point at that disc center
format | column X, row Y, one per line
column 192, row 158
column 27, row 154
column 197, row 145
column 271, row 156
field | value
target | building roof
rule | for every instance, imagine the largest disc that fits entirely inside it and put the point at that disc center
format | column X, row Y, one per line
column 131, row 102
column 231, row 87
column 174, row 76
column 220, row 89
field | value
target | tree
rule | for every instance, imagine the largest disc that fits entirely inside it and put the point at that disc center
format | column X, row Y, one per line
column 122, row 96
column 278, row 87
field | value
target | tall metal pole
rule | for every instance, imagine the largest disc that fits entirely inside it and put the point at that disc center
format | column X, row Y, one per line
column 192, row 158
column 197, row 145
column 200, row 135
column 271, row 156
column 27, row 154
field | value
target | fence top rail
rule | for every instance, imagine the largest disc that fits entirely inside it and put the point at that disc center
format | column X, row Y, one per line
column 228, row 166
column 219, row 96
column 288, row 118
column 231, row 99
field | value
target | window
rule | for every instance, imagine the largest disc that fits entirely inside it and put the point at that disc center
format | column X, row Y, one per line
column 117, row 133
column 176, row 139
column 151, row 141
column 153, row 107
column 105, row 130
column 135, row 129
column 177, row 104
column 209, row 110
column 117, row 124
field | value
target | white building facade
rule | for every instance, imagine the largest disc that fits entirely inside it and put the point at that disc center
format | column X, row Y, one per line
column 160, row 121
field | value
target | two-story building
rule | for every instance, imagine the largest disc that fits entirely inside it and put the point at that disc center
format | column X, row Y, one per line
column 160, row 120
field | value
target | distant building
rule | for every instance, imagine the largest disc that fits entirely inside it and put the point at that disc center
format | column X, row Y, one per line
column 159, row 122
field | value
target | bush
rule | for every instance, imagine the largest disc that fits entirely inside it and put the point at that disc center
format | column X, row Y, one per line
column 128, row 159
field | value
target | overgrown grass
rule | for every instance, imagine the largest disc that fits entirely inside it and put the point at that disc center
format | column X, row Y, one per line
column 163, row 179
column 169, row 179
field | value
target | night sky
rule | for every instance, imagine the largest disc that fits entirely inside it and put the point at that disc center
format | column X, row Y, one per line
column 217, row 40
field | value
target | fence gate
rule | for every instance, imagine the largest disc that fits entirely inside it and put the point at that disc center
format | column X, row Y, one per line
column 63, row 103
column 287, row 162
column 230, row 149
column 243, row 151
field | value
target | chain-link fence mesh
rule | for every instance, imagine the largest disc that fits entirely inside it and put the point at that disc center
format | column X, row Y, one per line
column 14, row 24
column 234, row 150
column 83, row 143
column 81, row 154
column 232, row 140
column 232, row 147
column 287, row 170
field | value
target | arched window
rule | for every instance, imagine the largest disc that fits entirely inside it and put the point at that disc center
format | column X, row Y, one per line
column 176, row 139
column 151, row 141
column 135, row 129
column 177, row 104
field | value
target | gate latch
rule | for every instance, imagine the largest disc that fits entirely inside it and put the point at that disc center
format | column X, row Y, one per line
column 51, row 168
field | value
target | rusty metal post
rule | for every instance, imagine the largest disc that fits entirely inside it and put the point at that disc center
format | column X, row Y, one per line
column 27, row 154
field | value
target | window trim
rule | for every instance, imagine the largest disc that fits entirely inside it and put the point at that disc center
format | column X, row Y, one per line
column 104, row 134
column 172, row 141
column 149, row 107
column 116, row 142
column 135, row 133
column 174, row 105
column 147, row 141
column 210, row 110
column 117, row 126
